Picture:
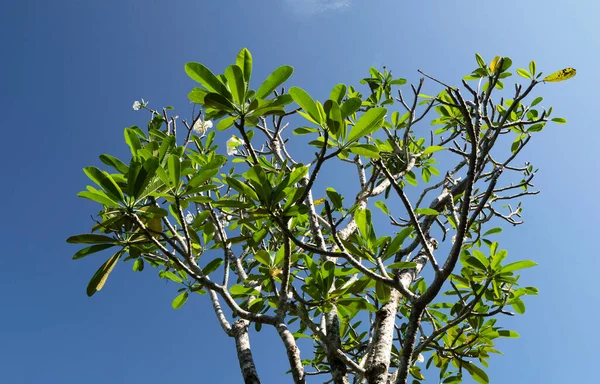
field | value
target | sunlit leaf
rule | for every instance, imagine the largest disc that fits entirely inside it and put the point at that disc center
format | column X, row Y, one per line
column 562, row 75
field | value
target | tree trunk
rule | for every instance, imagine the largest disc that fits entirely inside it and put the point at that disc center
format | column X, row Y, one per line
column 239, row 332
column 339, row 371
column 379, row 358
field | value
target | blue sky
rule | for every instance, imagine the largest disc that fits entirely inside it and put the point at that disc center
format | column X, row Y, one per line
column 71, row 71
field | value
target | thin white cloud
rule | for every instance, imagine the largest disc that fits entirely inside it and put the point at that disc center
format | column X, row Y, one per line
column 312, row 7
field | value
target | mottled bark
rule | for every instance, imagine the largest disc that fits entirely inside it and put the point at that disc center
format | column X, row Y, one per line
column 339, row 371
column 239, row 331
column 293, row 353
column 409, row 344
column 385, row 319
column 379, row 358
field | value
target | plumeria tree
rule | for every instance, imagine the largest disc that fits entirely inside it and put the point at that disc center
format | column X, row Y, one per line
column 401, row 270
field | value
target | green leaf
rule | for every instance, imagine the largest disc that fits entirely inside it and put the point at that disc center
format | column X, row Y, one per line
column 132, row 140
column 263, row 257
column 367, row 150
column 480, row 61
column 91, row 249
column 382, row 291
column 180, row 300
column 244, row 61
column 518, row 265
column 368, row 123
column 170, row 275
column 363, row 221
column 140, row 176
column 212, row 266
column 518, row 305
column 305, row 102
column 335, row 197
column 481, row 257
column 397, row 242
column 204, row 76
column 114, row 162
column 498, row 258
column 99, row 197
column 337, row 93
column 237, row 84
column 202, row 176
column 350, row 106
column 473, row 262
column 138, row 265
column 523, row 73
column 559, row 120
column 105, row 181
column 536, row 101
column 297, row 174
column 432, row 149
column 333, row 117
column 99, row 279
column 426, row 211
column 476, row 373
column 197, row 95
column 91, row 238
column 218, row 102
column 226, row 122
column 493, row 231
column 275, row 79
column 508, row 333
column 174, row 170
column 402, row 265
column 381, row 205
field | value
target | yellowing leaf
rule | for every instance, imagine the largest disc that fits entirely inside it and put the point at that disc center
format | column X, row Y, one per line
column 562, row 75
column 495, row 64
column 320, row 201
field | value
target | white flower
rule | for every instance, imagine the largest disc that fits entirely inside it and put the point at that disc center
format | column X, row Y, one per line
column 200, row 126
column 137, row 105
column 232, row 145
column 420, row 358
column 189, row 218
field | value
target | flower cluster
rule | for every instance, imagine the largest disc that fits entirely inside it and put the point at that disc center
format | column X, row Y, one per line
column 201, row 126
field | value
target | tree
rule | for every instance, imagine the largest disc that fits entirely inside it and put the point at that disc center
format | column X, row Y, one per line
column 247, row 230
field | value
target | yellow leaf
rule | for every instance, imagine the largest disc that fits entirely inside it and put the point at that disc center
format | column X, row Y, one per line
column 495, row 64
column 320, row 201
column 562, row 75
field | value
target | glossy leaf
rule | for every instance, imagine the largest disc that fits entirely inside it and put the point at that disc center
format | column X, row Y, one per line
column 305, row 102
column 337, row 93
column 476, row 373
column 366, row 150
column 244, row 61
column 426, row 211
column 204, row 76
column 432, row 149
column 236, row 83
column 518, row 265
column 274, row 80
column 368, row 123
column 180, row 300
column 105, row 181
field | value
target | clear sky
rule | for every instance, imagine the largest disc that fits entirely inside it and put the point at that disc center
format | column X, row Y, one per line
column 70, row 72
